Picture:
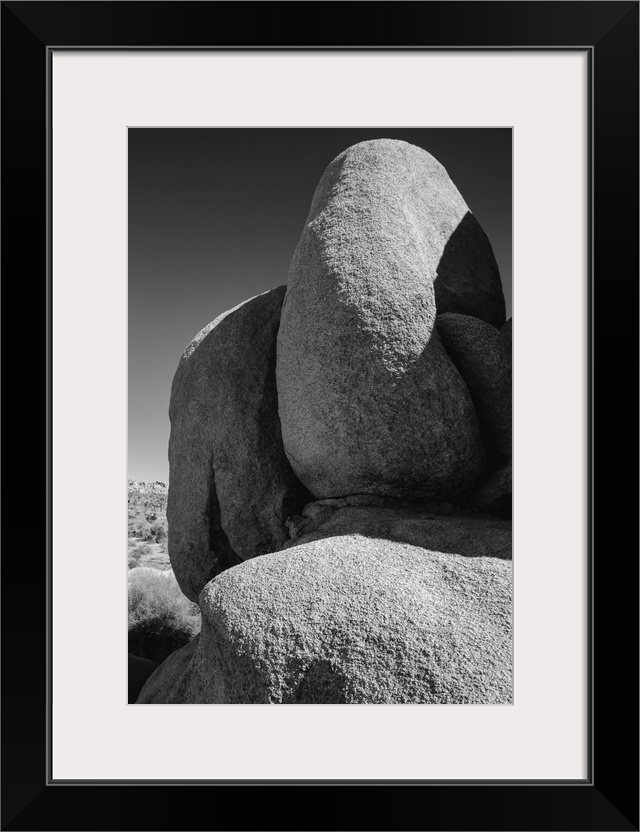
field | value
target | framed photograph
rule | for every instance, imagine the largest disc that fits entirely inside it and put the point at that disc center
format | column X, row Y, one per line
column 282, row 435
column 146, row 142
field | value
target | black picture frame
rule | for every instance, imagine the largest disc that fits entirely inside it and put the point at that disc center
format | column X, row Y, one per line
column 608, row 798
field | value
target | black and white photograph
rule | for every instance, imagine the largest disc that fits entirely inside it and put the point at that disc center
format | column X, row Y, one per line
column 320, row 416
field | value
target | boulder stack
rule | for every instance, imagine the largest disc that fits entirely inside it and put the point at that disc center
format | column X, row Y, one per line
column 339, row 451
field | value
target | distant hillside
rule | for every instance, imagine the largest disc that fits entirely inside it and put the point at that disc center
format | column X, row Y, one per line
column 148, row 514
column 134, row 485
column 151, row 494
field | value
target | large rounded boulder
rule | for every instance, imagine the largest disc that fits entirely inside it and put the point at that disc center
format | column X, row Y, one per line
column 347, row 620
column 369, row 400
column 231, row 487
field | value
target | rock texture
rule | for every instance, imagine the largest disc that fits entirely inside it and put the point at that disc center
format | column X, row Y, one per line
column 351, row 619
column 168, row 676
column 506, row 333
column 482, row 355
column 494, row 491
column 369, row 400
column 231, row 487
column 138, row 672
column 453, row 531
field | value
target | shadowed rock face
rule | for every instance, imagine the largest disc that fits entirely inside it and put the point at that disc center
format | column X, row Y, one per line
column 494, row 490
column 139, row 671
column 169, row 677
column 506, row 334
column 231, row 487
column 468, row 534
column 350, row 619
column 369, row 400
column 482, row 355
column 468, row 279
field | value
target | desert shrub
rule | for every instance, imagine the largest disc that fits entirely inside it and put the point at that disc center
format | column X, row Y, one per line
column 159, row 529
column 141, row 548
column 146, row 532
column 133, row 558
column 161, row 618
column 150, row 527
column 136, row 552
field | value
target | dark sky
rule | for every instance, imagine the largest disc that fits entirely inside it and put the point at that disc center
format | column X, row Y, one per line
column 214, row 217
